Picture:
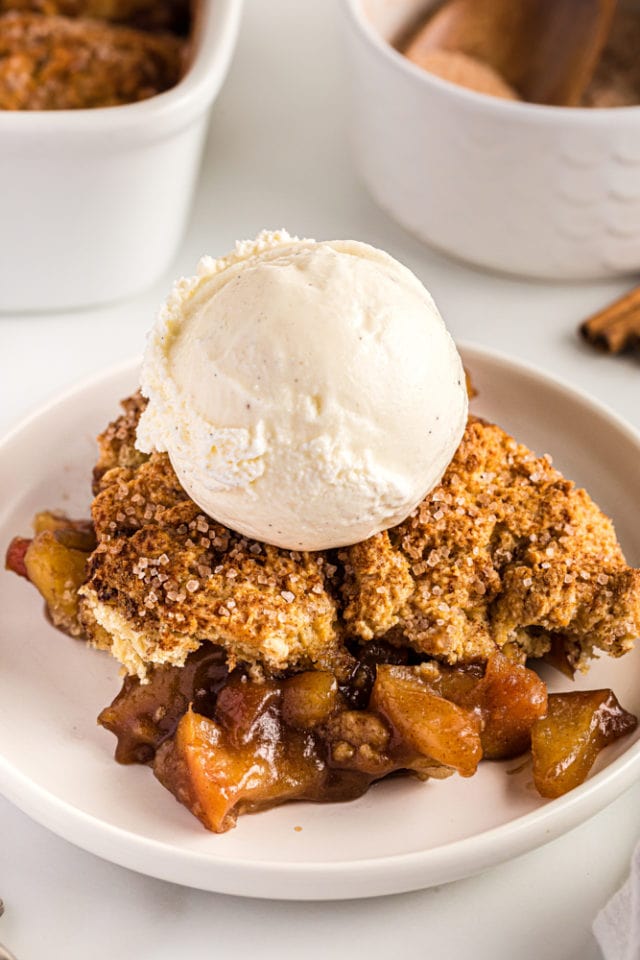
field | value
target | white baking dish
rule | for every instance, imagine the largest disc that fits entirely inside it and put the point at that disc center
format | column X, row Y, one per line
column 93, row 203
column 547, row 192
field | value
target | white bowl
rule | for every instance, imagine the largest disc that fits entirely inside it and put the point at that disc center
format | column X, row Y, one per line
column 549, row 192
column 94, row 202
column 57, row 764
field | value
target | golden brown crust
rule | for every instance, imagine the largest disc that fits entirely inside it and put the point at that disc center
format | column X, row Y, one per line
column 178, row 578
column 116, row 444
column 57, row 63
column 504, row 551
column 147, row 14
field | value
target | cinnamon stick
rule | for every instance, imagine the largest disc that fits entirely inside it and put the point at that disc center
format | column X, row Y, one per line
column 617, row 326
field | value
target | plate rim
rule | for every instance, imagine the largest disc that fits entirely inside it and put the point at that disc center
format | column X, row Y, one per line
column 332, row 880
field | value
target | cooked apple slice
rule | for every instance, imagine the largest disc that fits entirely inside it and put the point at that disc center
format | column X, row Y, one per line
column 217, row 780
column 566, row 742
column 14, row 559
column 201, row 773
column 55, row 562
column 426, row 722
column 507, row 696
column 247, row 710
column 57, row 570
column 309, row 699
column 79, row 533
column 512, row 698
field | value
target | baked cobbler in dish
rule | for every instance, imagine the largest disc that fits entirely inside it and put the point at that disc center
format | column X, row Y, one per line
column 70, row 55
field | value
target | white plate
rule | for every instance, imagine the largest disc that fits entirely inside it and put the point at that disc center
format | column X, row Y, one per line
column 56, row 763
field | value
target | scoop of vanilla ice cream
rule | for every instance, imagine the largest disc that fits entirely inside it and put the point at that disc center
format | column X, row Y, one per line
column 308, row 393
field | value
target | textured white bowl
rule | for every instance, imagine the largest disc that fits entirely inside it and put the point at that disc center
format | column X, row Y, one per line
column 94, row 202
column 547, row 192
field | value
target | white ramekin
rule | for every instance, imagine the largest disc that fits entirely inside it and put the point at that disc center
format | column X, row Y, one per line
column 547, row 192
column 93, row 203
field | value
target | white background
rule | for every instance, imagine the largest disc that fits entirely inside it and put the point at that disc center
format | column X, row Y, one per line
column 278, row 155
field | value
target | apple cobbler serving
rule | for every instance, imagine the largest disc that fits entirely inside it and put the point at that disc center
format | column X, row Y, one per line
column 259, row 672
column 259, row 675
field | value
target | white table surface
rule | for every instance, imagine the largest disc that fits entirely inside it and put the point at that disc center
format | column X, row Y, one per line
column 278, row 155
